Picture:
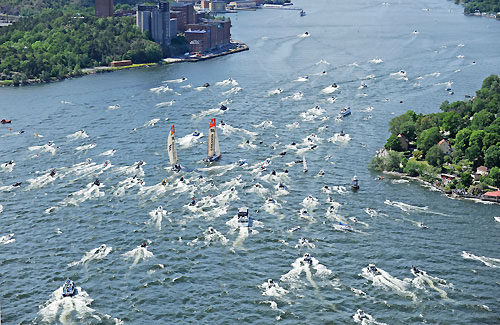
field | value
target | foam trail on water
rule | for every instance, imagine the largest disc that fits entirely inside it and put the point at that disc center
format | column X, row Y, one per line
column 139, row 253
column 71, row 310
column 92, row 255
column 488, row 261
column 157, row 216
column 7, row 239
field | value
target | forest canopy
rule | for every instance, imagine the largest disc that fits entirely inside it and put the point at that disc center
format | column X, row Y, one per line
column 470, row 6
column 58, row 43
column 464, row 136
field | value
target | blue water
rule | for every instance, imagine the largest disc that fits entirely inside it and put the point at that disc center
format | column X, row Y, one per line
column 191, row 280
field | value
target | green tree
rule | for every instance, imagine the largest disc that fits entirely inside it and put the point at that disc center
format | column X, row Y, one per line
column 428, row 138
column 404, row 124
column 492, row 156
column 482, row 119
column 466, row 180
column 462, row 139
column 494, row 176
column 393, row 143
column 452, row 122
column 434, row 156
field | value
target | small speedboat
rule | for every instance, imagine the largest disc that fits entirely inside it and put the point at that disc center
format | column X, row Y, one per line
column 343, row 227
column 415, row 271
column 223, row 107
column 243, row 219
column 206, row 84
column 355, row 183
column 307, row 259
column 196, row 133
column 373, row 269
column 69, row 289
column 345, row 111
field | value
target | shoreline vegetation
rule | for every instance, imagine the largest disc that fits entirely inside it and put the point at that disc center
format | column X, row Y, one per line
column 67, row 41
column 236, row 47
column 456, row 151
column 489, row 8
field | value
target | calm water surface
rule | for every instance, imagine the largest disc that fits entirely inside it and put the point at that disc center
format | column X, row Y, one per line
column 189, row 276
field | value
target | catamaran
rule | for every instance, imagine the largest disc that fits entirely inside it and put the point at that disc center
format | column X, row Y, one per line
column 172, row 151
column 213, row 143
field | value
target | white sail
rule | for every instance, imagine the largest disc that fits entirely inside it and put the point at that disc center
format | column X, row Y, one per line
column 304, row 162
column 212, row 138
column 172, row 151
column 217, row 147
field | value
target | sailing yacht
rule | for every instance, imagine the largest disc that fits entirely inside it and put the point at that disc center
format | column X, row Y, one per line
column 172, row 151
column 213, row 143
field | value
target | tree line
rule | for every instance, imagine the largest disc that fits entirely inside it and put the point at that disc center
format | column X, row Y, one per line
column 60, row 42
column 471, row 126
column 470, row 6
column 33, row 7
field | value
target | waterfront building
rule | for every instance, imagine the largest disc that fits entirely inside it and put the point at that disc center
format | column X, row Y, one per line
column 445, row 146
column 173, row 27
column 184, row 13
column 103, row 8
column 121, row 63
column 242, row 5
column 205, row 4
column 403, row 141
column 217, row 6
column 209, row 35
column 155, row 19
column 198, row 40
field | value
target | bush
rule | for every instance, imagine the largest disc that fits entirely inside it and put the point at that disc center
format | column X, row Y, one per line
column 434, row 156
column 419, row 168
column 390, row 163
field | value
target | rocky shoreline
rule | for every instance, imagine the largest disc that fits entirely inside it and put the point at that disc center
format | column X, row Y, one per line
column 436, row 188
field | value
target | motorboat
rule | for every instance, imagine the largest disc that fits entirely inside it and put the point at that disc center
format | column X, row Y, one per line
column 355, row 183
column 415, row 271
column 69, row 289
column 243, row 218
column 307, row 259
column 345, row 111
column 343, row 227
column 373, row 269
